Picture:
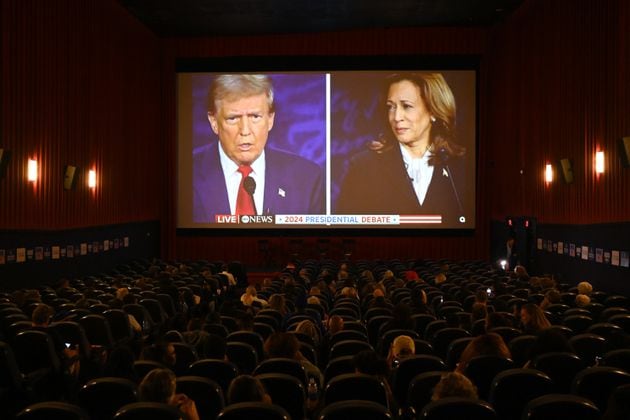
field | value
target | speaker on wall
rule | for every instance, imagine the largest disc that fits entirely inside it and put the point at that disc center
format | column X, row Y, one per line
column 567, row 170
column 624, row 151
column 69, row 177
column 5, row 156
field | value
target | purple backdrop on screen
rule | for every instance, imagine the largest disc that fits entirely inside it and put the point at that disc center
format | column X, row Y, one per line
column 300, row 121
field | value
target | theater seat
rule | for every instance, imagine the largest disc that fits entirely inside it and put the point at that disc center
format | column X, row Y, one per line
column 283, row 365
column 512, row 389
column 220, row 371
column 102, row 397
column 453, row 408
column 206, row 393
column 253, row 410
column 597, row 383
column 355, row 386
column 421, row 389
column 148, row 411
column 287, row 392
column 408, row 369
column 355, row 410
column 49, row 410
column 560, row 406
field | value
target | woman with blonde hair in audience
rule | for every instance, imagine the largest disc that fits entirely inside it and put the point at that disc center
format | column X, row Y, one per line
column 401, row 348
column 584, row 288
column 582, row 300
column 250, row 296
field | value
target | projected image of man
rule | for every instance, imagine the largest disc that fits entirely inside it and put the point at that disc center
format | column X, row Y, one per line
column 240, row 174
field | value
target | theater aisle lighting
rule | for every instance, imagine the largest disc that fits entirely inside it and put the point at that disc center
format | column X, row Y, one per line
column 599, row 162
column 31, row 174
column 92, row 179
column 548, row 173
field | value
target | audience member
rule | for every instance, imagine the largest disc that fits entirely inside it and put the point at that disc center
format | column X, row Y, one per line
column 278, row 303
column 584, row 288
column 281, row 344
column 308, row 328
column 250, row 296
column 582, row 301
column 160, row 352
column 334, row 325
column 489, row 344
column 419, row 304
column 533, row 319
column 454, row 384
column 548, row 341
column 247, row 388
column 552, row 296
column 194, row 335
column 68, row 355
column 159, row 385
column 402, row 347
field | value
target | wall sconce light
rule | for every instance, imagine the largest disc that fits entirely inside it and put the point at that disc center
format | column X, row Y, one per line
column 92, row 178
column 599, row 162
column 548, row 173
column 31, row 174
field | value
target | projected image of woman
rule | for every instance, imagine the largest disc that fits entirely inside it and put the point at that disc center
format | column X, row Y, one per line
column 419, row 172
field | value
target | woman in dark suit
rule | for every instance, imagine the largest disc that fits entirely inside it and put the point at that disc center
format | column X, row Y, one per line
column 416, row 173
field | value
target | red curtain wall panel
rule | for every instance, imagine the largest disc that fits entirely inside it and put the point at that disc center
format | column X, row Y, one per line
column 80, row 86
column 559, row 88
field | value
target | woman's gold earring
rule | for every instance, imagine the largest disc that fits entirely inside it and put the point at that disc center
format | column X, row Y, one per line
column 432, row 118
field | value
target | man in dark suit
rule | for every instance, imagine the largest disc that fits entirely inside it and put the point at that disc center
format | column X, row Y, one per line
column 377, row 182
column 239, row 174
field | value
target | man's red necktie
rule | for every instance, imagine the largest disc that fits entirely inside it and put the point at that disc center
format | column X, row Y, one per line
column 244, row 201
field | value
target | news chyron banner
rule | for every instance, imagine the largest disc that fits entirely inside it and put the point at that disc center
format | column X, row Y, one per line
column 329, row 220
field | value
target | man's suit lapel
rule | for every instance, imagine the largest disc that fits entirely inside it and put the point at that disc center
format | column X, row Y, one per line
column 215, row 197
column 275, row 185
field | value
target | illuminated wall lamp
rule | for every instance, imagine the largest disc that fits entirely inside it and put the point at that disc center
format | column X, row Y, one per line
column 599, row 162
column 548, row 173
column 31, row 174
column 92, row 178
